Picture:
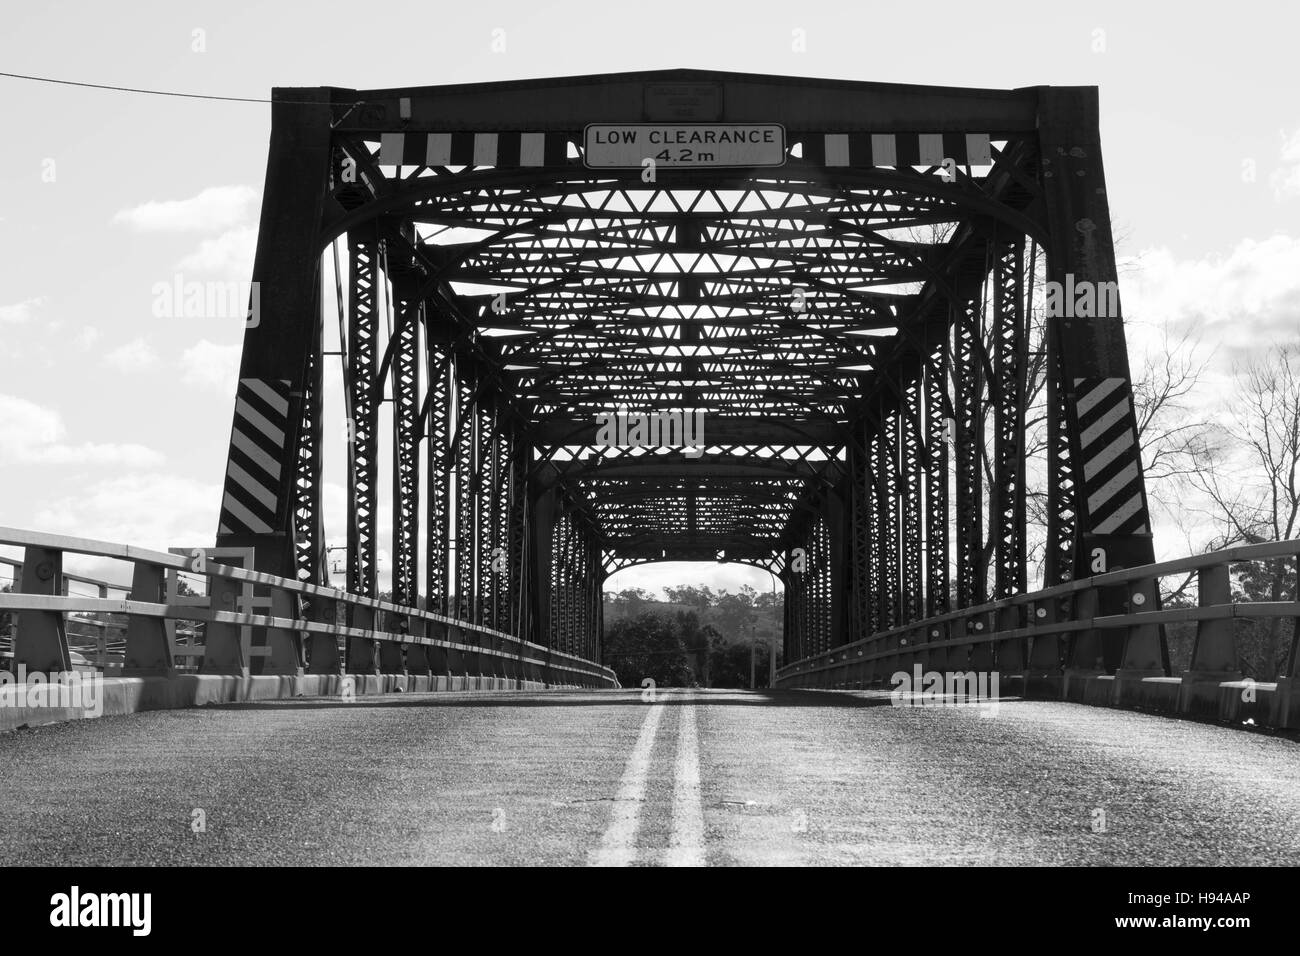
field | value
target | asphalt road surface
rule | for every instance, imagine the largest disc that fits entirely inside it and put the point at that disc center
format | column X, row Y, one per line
column 605, row 778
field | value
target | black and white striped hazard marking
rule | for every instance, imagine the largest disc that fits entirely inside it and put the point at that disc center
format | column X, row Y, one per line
column 514, row 149
column 256, row 450
column 1112, row 475
column 505, row 149
column 898, row 149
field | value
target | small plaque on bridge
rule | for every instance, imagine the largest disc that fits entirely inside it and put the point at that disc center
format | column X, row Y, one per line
column 683, row 102
column 684, row 145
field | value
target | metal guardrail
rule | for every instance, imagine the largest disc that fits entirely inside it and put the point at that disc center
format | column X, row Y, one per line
column 1056, row 631
column 97, row 649
column 433, row 644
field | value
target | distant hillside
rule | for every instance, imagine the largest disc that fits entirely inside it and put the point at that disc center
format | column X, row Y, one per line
column 697, row 637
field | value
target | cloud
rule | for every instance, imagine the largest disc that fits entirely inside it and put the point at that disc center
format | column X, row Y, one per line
column 151, row 510
column 21, row 312
column 229, row 255
column 1247, row 300
column 134, row 356
column 209, row 365
column 32, row 434
column 217, row 207
column 1285, row 180
column 86, row 338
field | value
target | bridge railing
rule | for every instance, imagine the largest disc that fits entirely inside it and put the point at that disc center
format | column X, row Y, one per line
column 96, row 642
column 1057, row 641
column 336, row 628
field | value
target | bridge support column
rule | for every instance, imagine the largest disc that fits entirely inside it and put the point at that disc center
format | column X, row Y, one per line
column 272, row 416
column 1097, row 518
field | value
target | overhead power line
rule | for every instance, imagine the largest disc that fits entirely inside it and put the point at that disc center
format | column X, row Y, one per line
column 131, row 89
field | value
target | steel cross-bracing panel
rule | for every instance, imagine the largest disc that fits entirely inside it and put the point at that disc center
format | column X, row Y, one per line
column 438, row 498
column 938, row 434
column 362, row 425
column 911, row 590
column 699, row 363
column 968, row 400
column 407, row 427
column 308, row 527
column 466, row 451
column 1007, row 493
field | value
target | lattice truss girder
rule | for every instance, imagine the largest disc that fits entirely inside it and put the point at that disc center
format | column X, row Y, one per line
column 772, row 299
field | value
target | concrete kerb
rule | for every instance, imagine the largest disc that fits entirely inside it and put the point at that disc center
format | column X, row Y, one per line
column 117, row 696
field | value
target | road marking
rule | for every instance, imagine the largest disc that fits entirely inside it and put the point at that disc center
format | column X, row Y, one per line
column 618, row 846
column 686, row 845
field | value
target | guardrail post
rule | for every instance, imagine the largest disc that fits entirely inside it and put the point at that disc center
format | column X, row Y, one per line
column 457, row 666
column 1009, row 652
column 324, row 656
column 935, row 658
column 1043, row 677
column 474, row 676
column 500, row 665
column 1287, row 713
column 284, row 644
column 513, row 665
column 417, row 654
column 1144, row 654
column 148, row 651
column 981, row 654
column 1086, row 658
column 1085, row 646
column 41, row 637
column 390, row 652
column 1214, row 654
column 101, row 635
column 223, row 650
column 908, row 649
column 361, row 650
column 958, row 656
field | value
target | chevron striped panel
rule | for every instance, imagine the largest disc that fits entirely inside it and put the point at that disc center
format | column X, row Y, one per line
column 250, row 504
column 1112, row 473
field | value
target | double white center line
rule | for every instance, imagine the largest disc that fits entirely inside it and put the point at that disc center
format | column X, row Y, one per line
column 686, row 843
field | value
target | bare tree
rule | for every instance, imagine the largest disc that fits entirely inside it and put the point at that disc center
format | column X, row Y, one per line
column 1249, row 471
column 1169, row 436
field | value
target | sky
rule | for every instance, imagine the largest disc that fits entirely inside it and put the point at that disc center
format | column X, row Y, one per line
column 114, row 420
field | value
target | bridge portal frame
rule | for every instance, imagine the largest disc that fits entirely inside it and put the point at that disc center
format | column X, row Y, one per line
column 867, row 516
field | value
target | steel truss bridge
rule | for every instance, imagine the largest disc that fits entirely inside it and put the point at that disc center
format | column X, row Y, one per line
column 842, row 321
column 850, row 320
